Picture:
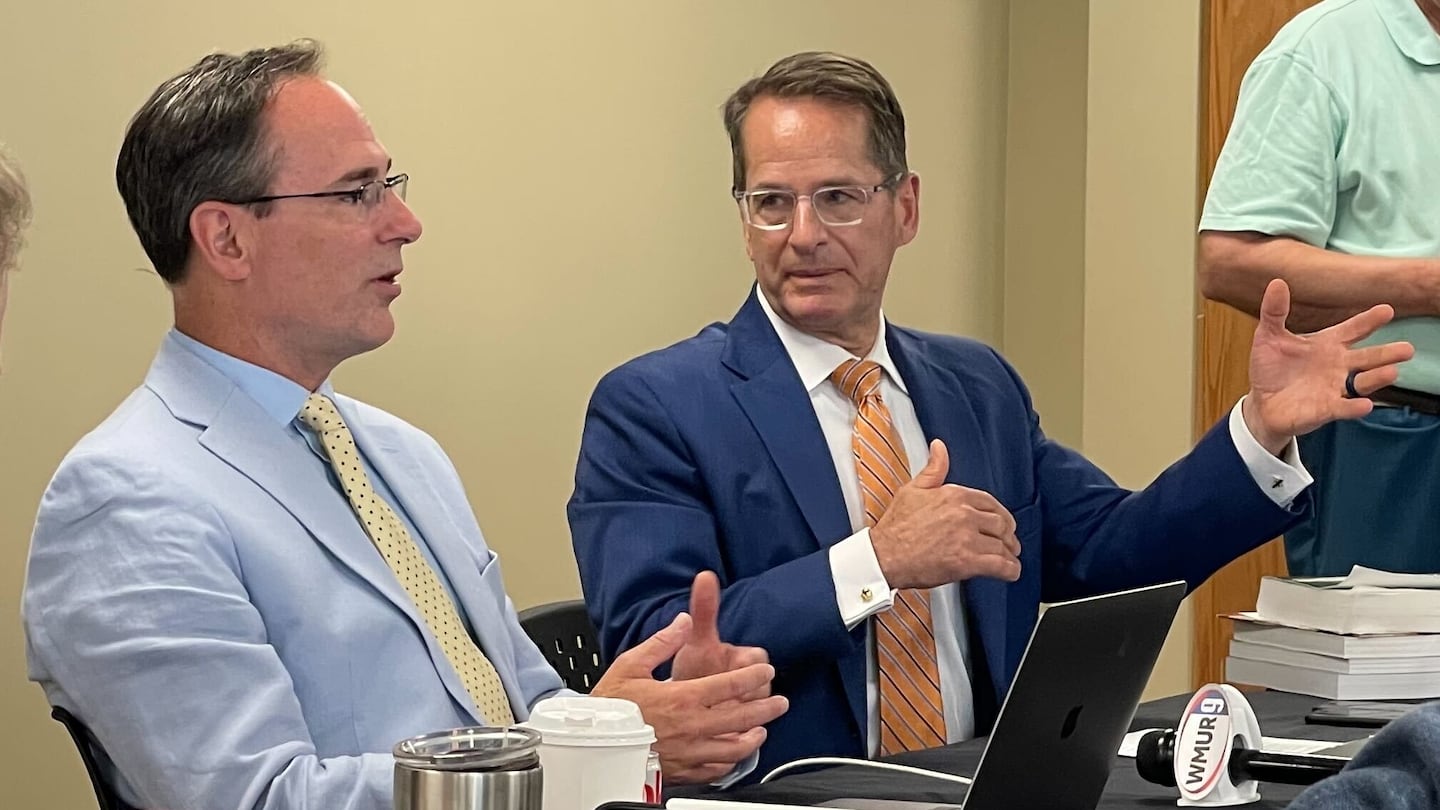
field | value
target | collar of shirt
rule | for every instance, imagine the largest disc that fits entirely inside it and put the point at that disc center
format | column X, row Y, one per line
column 1411, row 30
column 281, row 398
column 815, row 359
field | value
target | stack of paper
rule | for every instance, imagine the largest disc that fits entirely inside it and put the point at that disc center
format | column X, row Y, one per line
column 1372, row 635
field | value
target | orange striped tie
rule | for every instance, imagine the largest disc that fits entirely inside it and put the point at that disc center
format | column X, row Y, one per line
column 911, row 713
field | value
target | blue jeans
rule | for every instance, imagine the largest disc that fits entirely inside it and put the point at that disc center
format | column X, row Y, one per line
column 1377, row 496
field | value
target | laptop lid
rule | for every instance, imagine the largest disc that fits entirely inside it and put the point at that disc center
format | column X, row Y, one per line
column 1072, row 700
column 1069, row 707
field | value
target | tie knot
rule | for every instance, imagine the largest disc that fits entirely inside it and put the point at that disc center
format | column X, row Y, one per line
column 857, row 379
column 320, row 415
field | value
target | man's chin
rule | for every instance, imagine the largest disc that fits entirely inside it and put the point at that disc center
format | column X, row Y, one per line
column 377, row 334
column 814, row 312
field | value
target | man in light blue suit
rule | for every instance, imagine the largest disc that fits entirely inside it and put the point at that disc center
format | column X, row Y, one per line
column 917, row 502
column 201, row 592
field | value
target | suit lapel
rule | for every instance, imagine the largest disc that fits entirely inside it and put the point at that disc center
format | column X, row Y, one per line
column 774, row 399
column 777, row 404
column 946, row 412
column 240, row 433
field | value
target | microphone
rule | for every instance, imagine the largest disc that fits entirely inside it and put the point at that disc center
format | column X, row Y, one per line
column 1155, row 761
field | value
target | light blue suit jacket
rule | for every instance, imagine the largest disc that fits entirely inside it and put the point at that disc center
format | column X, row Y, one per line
column 203, row 597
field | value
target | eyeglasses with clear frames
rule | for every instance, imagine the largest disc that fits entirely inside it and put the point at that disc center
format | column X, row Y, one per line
column 366, row 195
column 773, row 209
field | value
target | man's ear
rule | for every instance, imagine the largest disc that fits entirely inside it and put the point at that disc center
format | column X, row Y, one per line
column 907, row 198
column 218, row 231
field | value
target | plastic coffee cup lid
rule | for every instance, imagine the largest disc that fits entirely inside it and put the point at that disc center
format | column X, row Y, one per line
column 590, row 721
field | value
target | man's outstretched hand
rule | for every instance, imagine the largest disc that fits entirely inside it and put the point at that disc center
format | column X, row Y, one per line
column 1298, row 382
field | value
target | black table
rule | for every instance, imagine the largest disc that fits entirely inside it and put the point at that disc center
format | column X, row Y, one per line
column 1281, row 715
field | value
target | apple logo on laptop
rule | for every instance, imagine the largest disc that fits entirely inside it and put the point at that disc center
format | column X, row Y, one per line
column 1071, row 720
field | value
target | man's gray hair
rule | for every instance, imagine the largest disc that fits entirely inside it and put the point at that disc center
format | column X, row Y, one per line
column 831, row 77
column 202, row 136
column 15, row 211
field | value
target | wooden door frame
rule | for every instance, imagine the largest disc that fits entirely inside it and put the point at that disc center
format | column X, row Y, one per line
column 1229, row 39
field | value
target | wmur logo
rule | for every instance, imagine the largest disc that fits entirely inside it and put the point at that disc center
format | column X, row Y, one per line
column 1202, row 750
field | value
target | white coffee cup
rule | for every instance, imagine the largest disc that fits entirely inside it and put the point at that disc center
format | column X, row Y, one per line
column 592, row 750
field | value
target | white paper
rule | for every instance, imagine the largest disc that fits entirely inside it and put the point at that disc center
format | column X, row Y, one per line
column 1285, row 745
column 1374, row 578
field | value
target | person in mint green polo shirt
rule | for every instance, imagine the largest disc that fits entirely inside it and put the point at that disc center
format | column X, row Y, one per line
column 1330, row 179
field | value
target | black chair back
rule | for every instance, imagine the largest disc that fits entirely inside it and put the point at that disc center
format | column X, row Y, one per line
column 564, row 634
column 92, row 755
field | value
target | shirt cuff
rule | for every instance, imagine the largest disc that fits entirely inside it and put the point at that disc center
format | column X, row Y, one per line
column 860, row 587
column 742, row 769
column 1282, row 477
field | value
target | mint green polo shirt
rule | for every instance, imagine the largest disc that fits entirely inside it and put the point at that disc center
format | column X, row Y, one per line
column 1336, row 143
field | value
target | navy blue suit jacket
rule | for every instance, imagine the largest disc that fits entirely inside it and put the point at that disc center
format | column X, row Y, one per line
column 708, row 455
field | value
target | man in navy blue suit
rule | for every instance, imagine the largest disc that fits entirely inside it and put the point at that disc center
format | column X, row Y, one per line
column 882, row 508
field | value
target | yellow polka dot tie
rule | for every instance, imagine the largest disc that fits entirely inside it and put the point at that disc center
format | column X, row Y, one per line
column 405, row 560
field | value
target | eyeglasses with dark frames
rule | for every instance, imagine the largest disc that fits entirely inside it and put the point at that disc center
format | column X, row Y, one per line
column 367, row 195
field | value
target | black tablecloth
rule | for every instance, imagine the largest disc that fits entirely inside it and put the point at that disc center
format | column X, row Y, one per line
column 1281, row 715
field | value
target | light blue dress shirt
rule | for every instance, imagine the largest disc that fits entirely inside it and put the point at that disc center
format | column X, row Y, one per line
column 282, row 399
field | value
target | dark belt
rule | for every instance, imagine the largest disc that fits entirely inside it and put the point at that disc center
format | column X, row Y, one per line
column 1418, row 401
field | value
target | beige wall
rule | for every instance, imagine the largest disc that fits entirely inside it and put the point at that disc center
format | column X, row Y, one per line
column 1139, row 252
column 1044, row 268
column 1100, row 206
column 571, row 171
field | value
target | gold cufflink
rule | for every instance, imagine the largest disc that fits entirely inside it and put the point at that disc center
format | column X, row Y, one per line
column 866, row 595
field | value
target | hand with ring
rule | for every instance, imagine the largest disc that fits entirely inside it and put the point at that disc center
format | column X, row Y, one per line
column 1350, row 391
column 1300, row 382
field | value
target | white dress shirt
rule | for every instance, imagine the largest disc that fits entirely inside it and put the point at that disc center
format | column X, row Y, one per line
column 853, row 564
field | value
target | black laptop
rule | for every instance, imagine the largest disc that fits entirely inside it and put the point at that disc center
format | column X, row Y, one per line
column 1070, row 706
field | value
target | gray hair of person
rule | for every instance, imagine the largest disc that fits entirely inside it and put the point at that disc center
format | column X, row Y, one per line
column 831, row 77
column 15, row 210
column 201, row 136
